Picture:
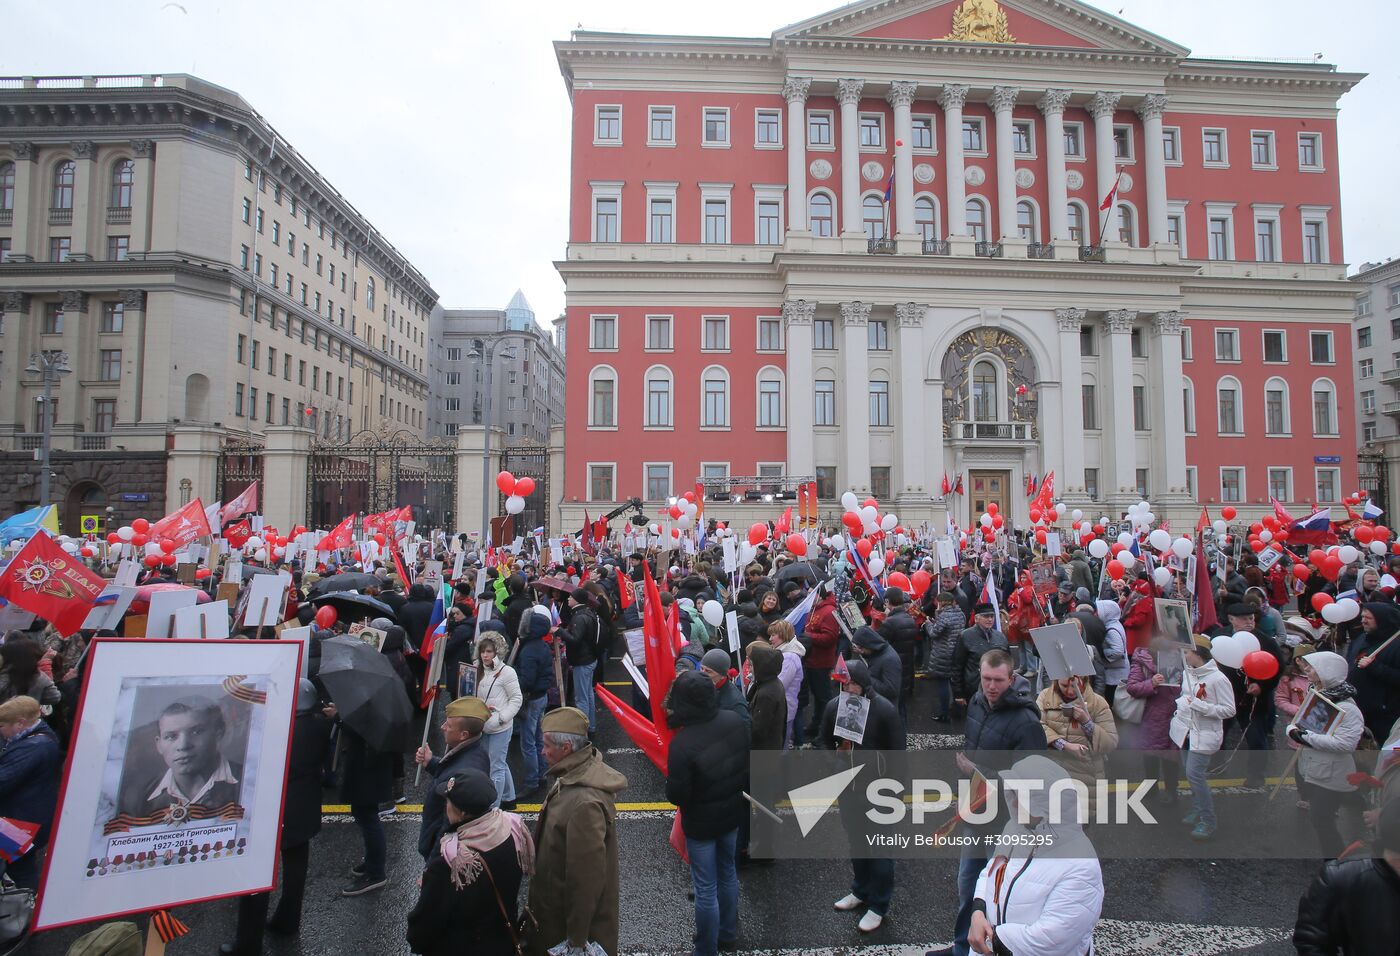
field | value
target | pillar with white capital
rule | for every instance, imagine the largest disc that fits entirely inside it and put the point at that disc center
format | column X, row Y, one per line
column 1101, row 108
column 84, row 156
column 855, row 418
column 797, row 316
column 1151, row 109
column 901, row 97
column 848, row 95
column 913, row 431
column 1069, row 321
column 1168, row 412
column 952, row 99
column 1002, row 102
column 142, row 152
column 795, row 93
column 22, row 242
column 1120, row 436
column 1052, row 104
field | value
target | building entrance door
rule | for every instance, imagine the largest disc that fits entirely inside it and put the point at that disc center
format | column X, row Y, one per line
column 987, row 487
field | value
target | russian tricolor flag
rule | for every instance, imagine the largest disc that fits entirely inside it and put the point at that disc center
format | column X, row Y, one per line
column 1317, row 521
column 16, row 838
column 863, row 570
column 989, row 596
column 1369, row 511
column 799, row 615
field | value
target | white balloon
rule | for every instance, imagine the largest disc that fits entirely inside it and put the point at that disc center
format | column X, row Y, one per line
column 1347, row 553
column 260, row 554
column 1098, row 548
column 850, row 502
column 1246, row 641
column 870, row 527
column 746, row 552
column 253, row 543
column 1144, row 506
column 125, row 533
column 876, row 564
column 1160, row 540
column 1219, row 526
column 1059, row 507
column 684, row 521
column 1124, row 538
column 1378, row 547
column 713, row 612
column 1226, row 652
column 869, row 514
column 514, row 505
column 71, row 547
column 671, row 500
column 838, row 542
column 1162, row 576
column 1332, row 614
column 889, row 522
column 1103, row 519
column 1266, row 536
column 1349, row 607
column 279, row 552
column 986, row 520
column 1127, row 559
column 1148, row 517
column 1182, row 547
column 1077, row 514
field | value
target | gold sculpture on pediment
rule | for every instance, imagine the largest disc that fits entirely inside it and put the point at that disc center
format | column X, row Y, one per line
column 980, row 21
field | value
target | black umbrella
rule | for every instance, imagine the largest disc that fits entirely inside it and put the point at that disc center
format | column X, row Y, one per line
column 368, row 695
column 354, row 605
column 809, row 572
column 345, row 581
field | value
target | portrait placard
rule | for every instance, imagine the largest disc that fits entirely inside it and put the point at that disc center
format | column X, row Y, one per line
column 172, row 793
column 1174, row 620
column 852, row 714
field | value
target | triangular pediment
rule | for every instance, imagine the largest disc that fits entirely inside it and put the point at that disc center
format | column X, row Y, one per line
column 1049, row 23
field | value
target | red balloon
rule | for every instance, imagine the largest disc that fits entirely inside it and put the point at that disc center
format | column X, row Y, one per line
column 1116, row 570
column 992, row 508
column 1040, row 536
column 674, row 511
column 151, row 561
column 168, row 560
column 758, row 533
column 852, row 521
column 299, row 530
column 1331, row 568
column 1255, row 528
column 1054, row 515
column 1098, row 529
column 138, row 539
column 1116, row 547
column 202, row 573
column 1260, row 665
column 1301, row 572
column 796, row 544
column 864, row 546
column 113, row 538
column 1381, row 532
column 505, row 481
column 1035, row 516
column 1086, row 536
column 167, row 545
column 997, row 520
column 870, row 503
column 1228, row 513
column 1256, row 545
column 140, row 526
column 898, row 579
column 87, row 552
column 1395, row 548
column 1364, row 534
column 1271, row 522
column 921, row 580
column 1320, row 600
column 379, row 539
column 524, row 487
column 688, row 496
column 326, row 617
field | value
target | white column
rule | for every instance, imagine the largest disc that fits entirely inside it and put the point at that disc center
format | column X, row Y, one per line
column 952, row 100
column 1118, row 405
column 1168, row 414
column 1151, row 109
column 24, row 244
column 901, row 97
column 1071, row 401
column 801, row 455
column 855, row 419
column 848, row 95
column 141, row 151
column 84, row 152
column 795, row 92
column 1101, row 108
column 1002, row 101
column 913, row 428
column 1052, row 105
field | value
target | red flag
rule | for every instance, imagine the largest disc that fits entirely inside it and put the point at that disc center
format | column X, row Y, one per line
column 1280, row 513
column 245, row 504
column 699, row 503
column 340, row 536
column 785, row 522
column 237, row 535
column 1205, row 594
column 183, row 526
column 43, row 579
column 947, row 485
column 1108, row 200
column 585, row 535
column 626, row 596
column 840, row 673
column 1204, row 523
column 1030, row 485
column 640, row 730
column 660, row 654
column 398, row 566
column 600, row 529
column 1046, row 499
column 958, row 489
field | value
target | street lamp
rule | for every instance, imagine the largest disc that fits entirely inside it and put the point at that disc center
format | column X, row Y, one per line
column 509, row 352
column 50, row 365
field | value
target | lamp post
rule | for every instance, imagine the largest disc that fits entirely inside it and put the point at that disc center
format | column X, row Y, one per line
column 508, row 352
column 51, row 366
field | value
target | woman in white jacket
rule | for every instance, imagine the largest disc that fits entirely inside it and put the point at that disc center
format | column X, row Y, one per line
column 498, row 686
column 1115, row 648
column 1043, row 900
column 1326, row 758
column 1198, row 727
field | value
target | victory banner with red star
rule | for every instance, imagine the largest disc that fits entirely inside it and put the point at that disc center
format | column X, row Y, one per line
column 46, row 581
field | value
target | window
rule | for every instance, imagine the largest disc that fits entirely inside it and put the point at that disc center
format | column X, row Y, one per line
column 659, row 397
column 59, row 248
column 872, row 131
column 716, row 131
column 603, row 336
column 1176, row 233
column 1141, row 481
column 661, row 223
column 879, row 403
column 1075, row 221
column 972, row 135
column 824, row 334
column 7, row 186
column 1186, row 345
column 238, row 399
column 1266, row 240
column 603, row 404
column 276, row 233
column 1324, row 409
column 600, row 482
column 274, row 275
column 770, row 334
column 1140, row 408
column 1280, row 480
column 976, row 215
column 53, row 319
column 123, row 179
column 1275, row 346
column 1366, row 368
column 257, row 263
column 1368, row 402
column 1261, row 150
column 985, row 404
column 1136, row 344
column 1276, row 407
column 826, row 481
column 1171, row 144
column 877, row 335
column 658, row 482
column 1227, row 400
column 819, row 214
column 1022, row 142
column 872, row 214
column 1091, row 405
column 1227, row 345
column 768, row 129
column 715, row 333
column 818, row 128
column 880, row 481
column 1232, row 484
column 1213, row 147
column 113, row 317
column 369, row 292
column 1127, row 230
column 826, row 401
column 454, row 354
column 1314, row 240
column 926, row 218
column 770, row 398
column 452, row 404
column 770, row 222
column 1074, row 140
column 109, row 365
column 64, row 175
column 715, row 394
column 1188, row 410
column 1091, row 483
column 1219, row 235
column 1088, row 344
column 260, row 220
column 1309, row 151
column 1025, row 222
column 608, row 125
column 104, row 415
column 1320, row 344
column 716, row 220
column 1368, row 431
column 661, row 126
column 1123, row 142
column 607, row 209
column 921, row 133
column 118, row 247
column 1328, row 480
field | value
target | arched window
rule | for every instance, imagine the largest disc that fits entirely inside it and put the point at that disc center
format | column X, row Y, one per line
column 1276, row 417
column 879, row 400
column 714, row 398
column 926, row 217
column 1127, row 224
column 1324, row 407
column 64, row 174
column 1026, row 226
column 1089, row 402
column 659, row 403
column 602, row 397
column 985, row 404
column 7, row 185
column 977, row 219
column 820, row 215
column 1229, row 409
column 369, row 292
column 123, row 178
column 872, row 212
column 1188, row 410
column 770, row 397
column 1075, row 218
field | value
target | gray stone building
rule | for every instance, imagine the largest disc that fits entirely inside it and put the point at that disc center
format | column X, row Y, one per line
column 1377, row 380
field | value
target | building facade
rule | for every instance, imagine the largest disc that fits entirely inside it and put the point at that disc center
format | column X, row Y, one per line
column 736, row 276
column 1377, row 378
column 206, row 285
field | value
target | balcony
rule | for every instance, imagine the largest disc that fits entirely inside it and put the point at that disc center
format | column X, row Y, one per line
column 937, row 247
column 988, row 250
column 94, row 442
column 1040, row 250
column 993, row 431
column 880, row 247
column 29, row 441
column 60, row 217
column 7, row 217
column 1092, row 254
column 1392, row 409
column 1390, row 376
column 118, row 215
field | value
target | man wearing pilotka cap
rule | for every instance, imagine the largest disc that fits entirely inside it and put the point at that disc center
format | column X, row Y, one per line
column 461, row 732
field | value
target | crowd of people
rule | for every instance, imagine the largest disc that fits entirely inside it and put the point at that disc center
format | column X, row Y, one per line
column 522, row 649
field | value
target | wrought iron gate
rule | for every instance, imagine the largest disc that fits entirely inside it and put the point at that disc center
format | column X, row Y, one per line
column 378, row 470
column 528, row 460
column 240, row 464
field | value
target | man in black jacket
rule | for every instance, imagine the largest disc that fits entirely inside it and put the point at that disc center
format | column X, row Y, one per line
column 902, row 633
column 1353, row 907
column 534, row 667
column 885, row 671
column 975, row 641
column 707, row 774
column 581, row 640
column 461, row 733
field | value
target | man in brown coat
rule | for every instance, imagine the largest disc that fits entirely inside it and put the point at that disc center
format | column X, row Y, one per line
column 573, row 894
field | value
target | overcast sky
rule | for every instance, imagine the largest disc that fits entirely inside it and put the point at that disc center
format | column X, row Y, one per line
column 446, row 123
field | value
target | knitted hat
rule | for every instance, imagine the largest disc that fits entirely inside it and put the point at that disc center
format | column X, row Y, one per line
column 717, row 660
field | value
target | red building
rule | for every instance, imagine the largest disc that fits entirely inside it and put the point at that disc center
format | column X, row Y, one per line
column 744, row 302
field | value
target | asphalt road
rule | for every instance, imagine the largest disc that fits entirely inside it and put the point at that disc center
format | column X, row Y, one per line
column 1153, row 907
